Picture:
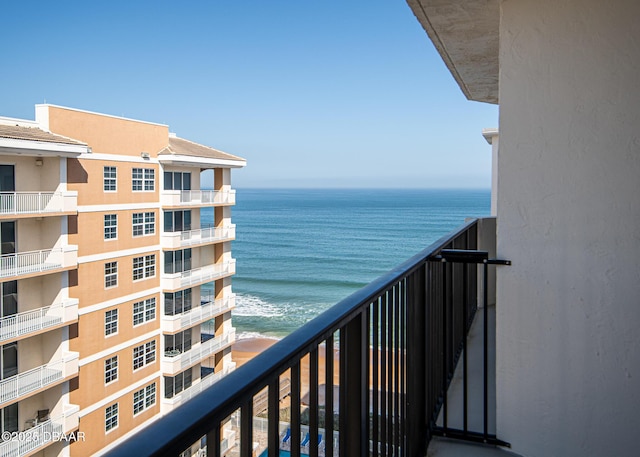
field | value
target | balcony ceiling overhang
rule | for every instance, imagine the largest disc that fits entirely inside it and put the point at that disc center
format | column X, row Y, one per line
column 11, row 146
column 466, row 34
column 202, row 162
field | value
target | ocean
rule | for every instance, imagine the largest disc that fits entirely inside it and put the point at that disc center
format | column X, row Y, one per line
column 300, row 251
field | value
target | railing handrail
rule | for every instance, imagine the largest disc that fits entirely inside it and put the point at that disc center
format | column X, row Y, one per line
column 239, row 387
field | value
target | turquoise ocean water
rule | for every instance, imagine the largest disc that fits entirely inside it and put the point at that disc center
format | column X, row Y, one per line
column 300, row 251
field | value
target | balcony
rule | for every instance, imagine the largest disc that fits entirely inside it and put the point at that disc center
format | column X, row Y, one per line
column 175, row 240
column 195, row 389
column 401, row 341
column 173, row 361
column 195, row 198
column 32, row 381
column 33, row 322
column 42, row 434
column 209, row 309
column 38, row 203
column 33, row 263
column 196, row 276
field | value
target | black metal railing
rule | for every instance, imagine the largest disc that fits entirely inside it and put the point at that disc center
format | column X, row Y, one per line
column 393, row 346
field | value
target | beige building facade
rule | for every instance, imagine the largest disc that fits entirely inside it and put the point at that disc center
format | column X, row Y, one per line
column 116, row 278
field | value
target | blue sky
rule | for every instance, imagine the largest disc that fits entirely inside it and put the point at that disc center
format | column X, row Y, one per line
column 312, row 94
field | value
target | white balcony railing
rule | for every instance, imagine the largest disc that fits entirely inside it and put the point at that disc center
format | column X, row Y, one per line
column 42, row 434
column 199, row 275
column 198, row 197
column 195, row 389
column 38, row 202
column 198, row 236
column 208, row 310
column 22, row 324
column 37, row 378
column 23, row 263
column 180, row 361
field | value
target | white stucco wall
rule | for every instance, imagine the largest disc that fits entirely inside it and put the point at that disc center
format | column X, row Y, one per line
column 568, row 310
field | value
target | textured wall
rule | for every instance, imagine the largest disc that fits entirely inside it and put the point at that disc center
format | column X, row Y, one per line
column 568, row 314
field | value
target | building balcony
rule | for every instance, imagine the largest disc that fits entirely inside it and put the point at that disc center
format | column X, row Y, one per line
column 38, row 435
column 33, row 322
column 399, row 345
column 34, row 263
column 196, row 276
column 175, row 240
column 209, row 309
column 196, row 198
column 40, row 204
column 195, row 389
column 174, row 361
column 37, row 379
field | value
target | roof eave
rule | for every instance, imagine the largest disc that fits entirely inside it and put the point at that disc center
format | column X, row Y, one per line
column 15, row 146
column 202, row 162
column 466, row 34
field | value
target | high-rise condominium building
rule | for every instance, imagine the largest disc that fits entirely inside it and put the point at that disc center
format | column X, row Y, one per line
column 115, row 277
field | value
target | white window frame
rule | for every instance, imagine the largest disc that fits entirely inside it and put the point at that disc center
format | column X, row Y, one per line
column 146, row 225
column 143, row 180
column 110, row 227
column 111, row 418
column 111, row 370
column 144, row 398
column 144, row 267
column 146, row 311
column 110, row 275
column 144, row 355
column 109, row 179
column 111, row 322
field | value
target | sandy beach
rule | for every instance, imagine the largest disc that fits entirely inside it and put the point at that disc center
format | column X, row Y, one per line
column 245, row 349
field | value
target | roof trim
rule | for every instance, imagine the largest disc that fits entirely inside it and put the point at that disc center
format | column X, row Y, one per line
column 203, row 162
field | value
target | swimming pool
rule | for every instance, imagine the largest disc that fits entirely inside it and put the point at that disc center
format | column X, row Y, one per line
column 283, row 453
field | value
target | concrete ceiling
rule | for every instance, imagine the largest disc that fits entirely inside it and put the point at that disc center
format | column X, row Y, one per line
column 465, row 33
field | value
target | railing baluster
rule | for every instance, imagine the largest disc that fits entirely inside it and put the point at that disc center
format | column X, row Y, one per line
column 295, row 410
column 383, row 375
column 375, row 437
column 246, row 429
column 273, row 414
column 213, row 441
column 328, row 395
column 313, row 403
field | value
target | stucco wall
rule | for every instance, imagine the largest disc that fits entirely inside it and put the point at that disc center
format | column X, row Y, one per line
column 568, row 312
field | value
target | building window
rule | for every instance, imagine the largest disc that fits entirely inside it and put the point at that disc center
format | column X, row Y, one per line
column 144, row 354
column 177, row 180
column 144, row 398
column 177, row 261
column 144, row 223
column 109, row 179
column 144, row 267
column 178, row 343
column 144, row 311
column 176, row 384
column 111, row 417
column 177, row 302
column 9, row 418
column 111, row 370
column 111, row 322
column 110, row 274
column 177, row 221
column 110, row 226
column 143, row 179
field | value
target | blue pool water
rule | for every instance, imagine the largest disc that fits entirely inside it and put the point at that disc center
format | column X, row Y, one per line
column 282, row 454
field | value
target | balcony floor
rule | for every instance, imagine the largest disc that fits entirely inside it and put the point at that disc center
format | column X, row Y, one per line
column 444, row 447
